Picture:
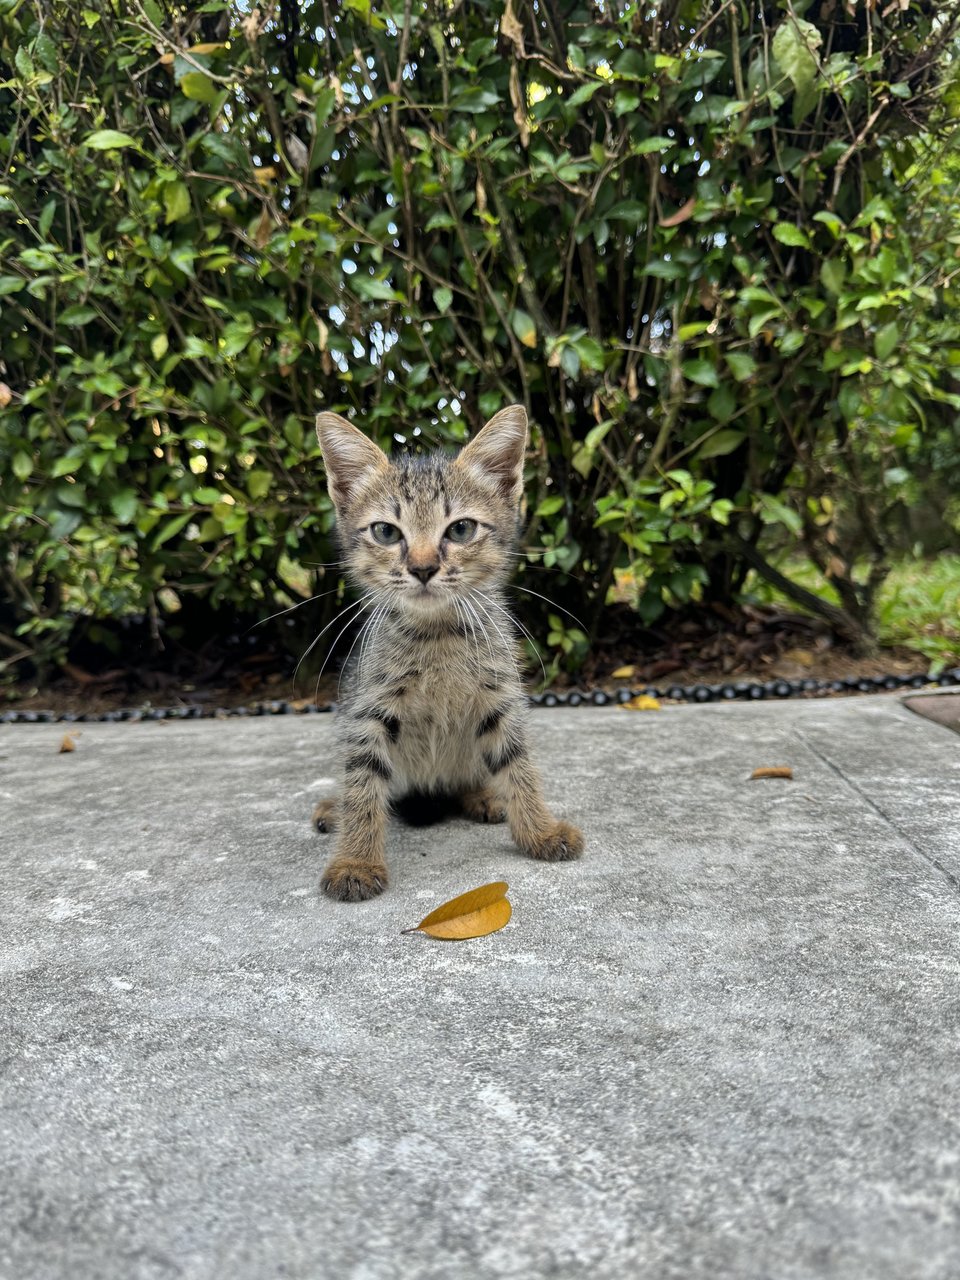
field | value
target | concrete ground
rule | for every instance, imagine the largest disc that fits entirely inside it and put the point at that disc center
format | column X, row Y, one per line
column 724, row 1044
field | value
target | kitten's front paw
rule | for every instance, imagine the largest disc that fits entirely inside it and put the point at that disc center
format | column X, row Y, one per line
column 352, row 881
column 560, row 843
column 325, row 816
column 483, row 806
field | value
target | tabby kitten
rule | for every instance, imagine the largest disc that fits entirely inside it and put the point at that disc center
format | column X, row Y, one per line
column 434, row 705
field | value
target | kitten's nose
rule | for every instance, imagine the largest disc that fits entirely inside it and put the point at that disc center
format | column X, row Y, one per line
column 423, row 571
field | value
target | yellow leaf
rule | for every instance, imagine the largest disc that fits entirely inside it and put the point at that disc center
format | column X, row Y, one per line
column 802, row 656
column 624, row 673
column 470, row 915
column 205, row 48
column 67, row 744
column 642, row 702
column 265, row 175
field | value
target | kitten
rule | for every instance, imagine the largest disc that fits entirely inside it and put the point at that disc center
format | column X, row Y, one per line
column 434, row 705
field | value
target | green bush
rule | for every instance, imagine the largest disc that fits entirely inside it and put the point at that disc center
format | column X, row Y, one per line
column 709, row 245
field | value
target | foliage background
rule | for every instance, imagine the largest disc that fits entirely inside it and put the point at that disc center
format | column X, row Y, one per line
column 713, row 247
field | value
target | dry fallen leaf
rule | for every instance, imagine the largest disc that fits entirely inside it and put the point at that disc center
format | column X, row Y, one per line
column 67, row 744
column 624, row 673
column 803, row 657
column 772, row 771
column 642, row 702
column 471, row 915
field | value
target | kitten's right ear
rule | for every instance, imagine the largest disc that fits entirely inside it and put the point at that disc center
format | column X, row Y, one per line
column 348, row 456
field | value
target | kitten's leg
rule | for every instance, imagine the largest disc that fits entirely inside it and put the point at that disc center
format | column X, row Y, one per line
column 326, row 815
column 483, row 805
column 358, row 869
column 516, row 778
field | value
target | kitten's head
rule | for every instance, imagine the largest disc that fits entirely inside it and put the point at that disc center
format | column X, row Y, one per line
column 423, row 531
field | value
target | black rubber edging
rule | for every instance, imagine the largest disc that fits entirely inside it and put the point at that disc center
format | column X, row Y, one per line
column 739, row 691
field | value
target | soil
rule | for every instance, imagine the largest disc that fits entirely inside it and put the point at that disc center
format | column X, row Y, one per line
column 720, row 645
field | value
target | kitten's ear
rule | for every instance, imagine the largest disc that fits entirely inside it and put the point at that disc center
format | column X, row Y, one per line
column 347, row 455
column 497, row 451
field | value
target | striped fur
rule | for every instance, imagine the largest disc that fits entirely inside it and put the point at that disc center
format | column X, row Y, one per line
column 434, row 702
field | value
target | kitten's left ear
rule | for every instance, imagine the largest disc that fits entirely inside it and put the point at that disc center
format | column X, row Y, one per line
column 497, row 451
column 347, row 455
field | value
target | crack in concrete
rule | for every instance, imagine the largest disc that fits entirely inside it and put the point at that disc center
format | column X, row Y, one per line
column 952, row 880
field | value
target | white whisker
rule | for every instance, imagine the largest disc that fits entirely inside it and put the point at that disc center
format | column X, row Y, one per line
column 517, row 623
column 552, row 603
column 316, row 640
column 281, row 612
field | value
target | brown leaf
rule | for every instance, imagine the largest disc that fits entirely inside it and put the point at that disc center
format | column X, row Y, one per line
column 683, row 213
column 772, row 771
column 801, row 656
column 470, row 915
column 642, row 702
column 518, row 98
column 67, row 744
column 264, row 229
column 512, row 29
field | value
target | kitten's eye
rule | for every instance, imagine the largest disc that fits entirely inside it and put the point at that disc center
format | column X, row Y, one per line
column 461, row 530
column 388, row 535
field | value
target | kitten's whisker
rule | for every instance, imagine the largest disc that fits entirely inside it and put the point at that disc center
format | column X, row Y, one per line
column 552, row 603
column 463, row 613
column 493, row 622
column 316, row 640
column 543, row 568
column 281, row 612
column 517, row 623
column 365, row 604
column 469, row 604
column 370, row 632
column 357, row 637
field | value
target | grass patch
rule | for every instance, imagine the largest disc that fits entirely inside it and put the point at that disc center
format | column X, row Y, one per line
column 918, row 604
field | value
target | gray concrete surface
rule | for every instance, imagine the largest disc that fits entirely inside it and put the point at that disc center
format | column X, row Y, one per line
column 725, row 1044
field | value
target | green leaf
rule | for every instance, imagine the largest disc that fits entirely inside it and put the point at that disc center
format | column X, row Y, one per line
column 703, row 372
column 46, row 217
column 77, row 316
column 722, row 404
column 656, row 143
column 721, row 443
column 664, row 269
column 22, row 465
column 108, row 140
column 549, row 506
column 259, row 484
column 23, row 63
column 198, row 87
column 176, row 201
column 443, row 299
column 159, row 346
column 583, row 94
column 124, row 505
column 794, row 45
column 833, row 273
column 524, row 327
column 885, row 340
column 788, row 234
